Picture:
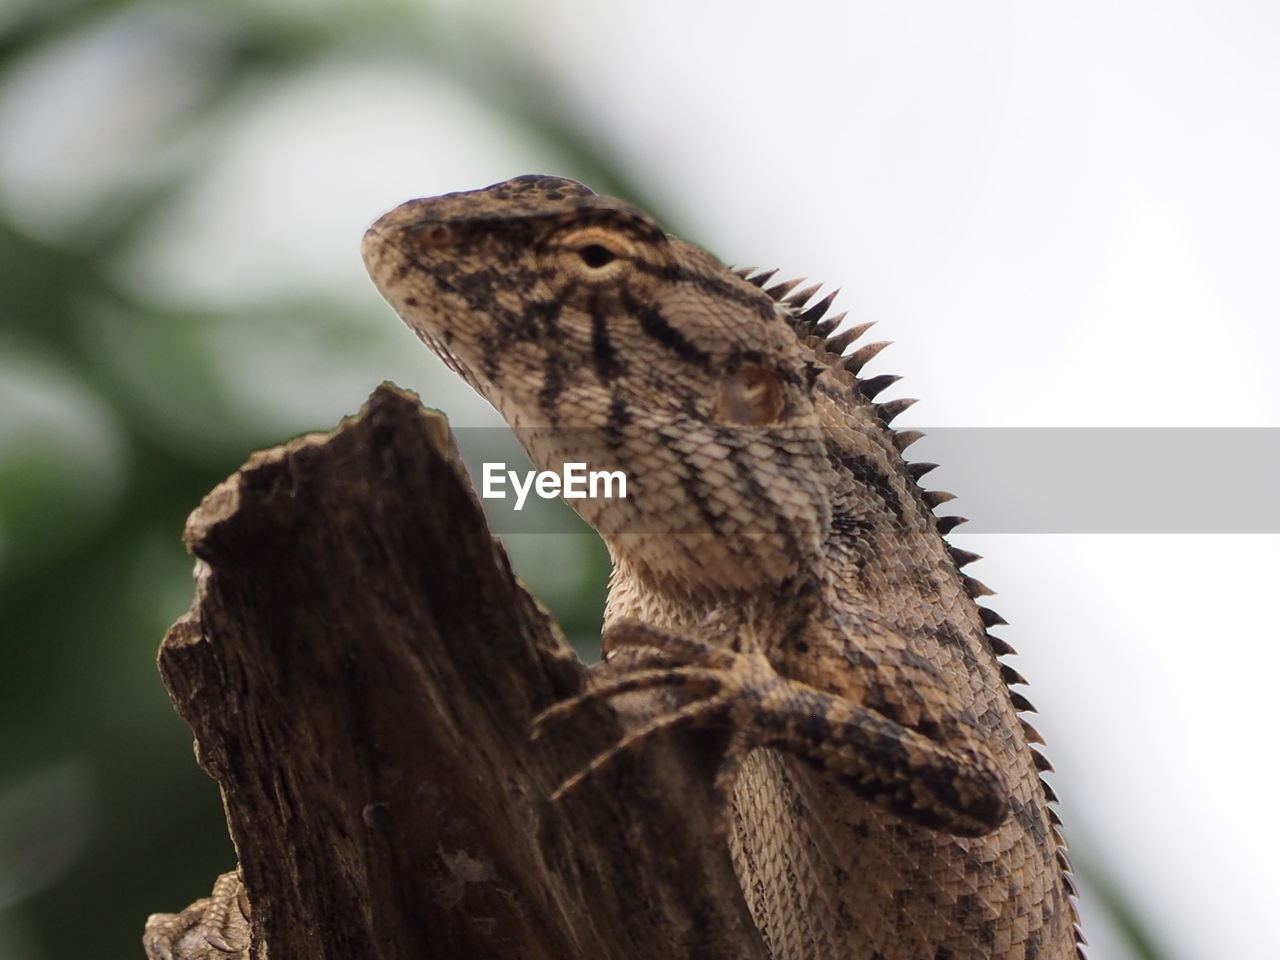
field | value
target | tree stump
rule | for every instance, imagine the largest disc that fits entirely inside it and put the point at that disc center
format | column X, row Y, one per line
column 360, row 669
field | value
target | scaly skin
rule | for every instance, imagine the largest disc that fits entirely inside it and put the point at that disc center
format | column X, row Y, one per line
column 775, row 559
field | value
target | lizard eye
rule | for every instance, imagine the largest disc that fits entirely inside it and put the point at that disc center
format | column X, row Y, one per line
column 596, row 255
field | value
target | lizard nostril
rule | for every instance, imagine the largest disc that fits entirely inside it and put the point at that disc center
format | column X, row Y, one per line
column 436, row 236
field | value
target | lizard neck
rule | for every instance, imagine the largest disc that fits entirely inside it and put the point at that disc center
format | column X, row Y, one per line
column 767, row 617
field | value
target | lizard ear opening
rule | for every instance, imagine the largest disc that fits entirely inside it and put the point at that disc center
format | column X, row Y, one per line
column 750, row 396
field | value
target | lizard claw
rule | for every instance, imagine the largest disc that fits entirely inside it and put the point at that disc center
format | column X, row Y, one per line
column 694, row 678
column 713, row 675
column 692, row 714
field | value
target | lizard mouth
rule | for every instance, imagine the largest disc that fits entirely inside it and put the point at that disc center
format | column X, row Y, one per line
column 389, row 263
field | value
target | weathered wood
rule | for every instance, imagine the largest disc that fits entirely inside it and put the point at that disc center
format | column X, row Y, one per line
column 360, row 668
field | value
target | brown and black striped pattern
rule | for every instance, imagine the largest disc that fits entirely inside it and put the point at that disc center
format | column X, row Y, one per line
column 776, row 557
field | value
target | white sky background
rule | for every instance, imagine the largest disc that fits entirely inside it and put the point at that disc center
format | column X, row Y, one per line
column 1063, row 214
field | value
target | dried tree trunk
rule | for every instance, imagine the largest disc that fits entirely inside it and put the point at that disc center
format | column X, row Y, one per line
column 360, row 669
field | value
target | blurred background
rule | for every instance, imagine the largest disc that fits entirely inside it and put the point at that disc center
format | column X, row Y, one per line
column 1065, row 215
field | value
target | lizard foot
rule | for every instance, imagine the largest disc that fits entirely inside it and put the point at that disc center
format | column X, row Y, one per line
column 214, row 928
column 715, row 676
column 718, row 678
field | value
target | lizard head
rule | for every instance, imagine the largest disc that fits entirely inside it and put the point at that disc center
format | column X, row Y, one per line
column 601, row 339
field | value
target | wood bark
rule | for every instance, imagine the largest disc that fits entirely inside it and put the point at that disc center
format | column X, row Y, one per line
column 360, row 669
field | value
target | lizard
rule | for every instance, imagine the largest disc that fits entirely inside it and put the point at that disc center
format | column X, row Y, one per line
column 777, row 567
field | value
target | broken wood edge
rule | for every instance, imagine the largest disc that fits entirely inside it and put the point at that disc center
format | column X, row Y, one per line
column 365, row 710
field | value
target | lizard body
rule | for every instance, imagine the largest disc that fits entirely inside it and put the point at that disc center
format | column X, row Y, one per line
column 775, row 559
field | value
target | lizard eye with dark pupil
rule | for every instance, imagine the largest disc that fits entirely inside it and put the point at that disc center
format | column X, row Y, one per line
column 594, row 255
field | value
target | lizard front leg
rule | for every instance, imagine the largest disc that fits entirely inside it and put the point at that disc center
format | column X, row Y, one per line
column 953, row 788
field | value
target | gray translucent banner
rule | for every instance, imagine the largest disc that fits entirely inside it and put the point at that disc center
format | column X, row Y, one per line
column 1029, row 479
